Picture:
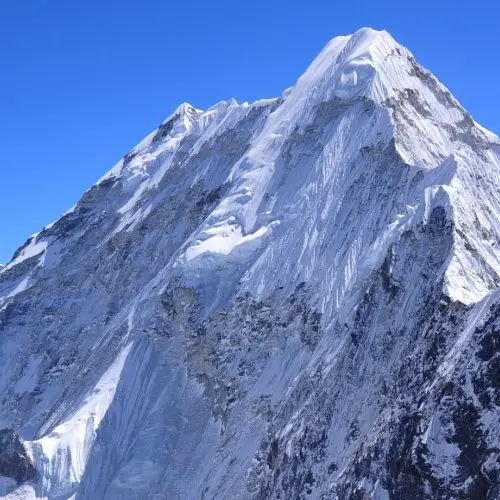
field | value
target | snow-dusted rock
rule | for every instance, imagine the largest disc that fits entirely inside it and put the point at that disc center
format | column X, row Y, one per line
column 294, row 298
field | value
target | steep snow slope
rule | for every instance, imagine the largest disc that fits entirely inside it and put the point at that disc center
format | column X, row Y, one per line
column 295, row 298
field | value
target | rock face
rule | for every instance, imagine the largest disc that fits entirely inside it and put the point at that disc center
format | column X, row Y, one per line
column 14, row 459
column 295, row 298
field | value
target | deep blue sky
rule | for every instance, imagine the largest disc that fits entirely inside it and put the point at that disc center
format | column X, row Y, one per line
column 81, row 82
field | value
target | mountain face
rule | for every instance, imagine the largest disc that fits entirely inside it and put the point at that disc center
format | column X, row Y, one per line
column 292, row 299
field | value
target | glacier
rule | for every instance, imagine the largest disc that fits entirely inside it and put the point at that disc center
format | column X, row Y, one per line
column 296, row 298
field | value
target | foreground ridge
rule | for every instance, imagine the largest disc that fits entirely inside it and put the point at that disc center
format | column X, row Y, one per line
column 293, row 298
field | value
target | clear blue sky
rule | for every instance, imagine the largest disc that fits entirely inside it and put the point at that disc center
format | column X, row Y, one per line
column 81, row 82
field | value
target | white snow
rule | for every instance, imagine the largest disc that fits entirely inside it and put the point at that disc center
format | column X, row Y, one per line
column 63, row 452
column 32, row 249
column 28, row 380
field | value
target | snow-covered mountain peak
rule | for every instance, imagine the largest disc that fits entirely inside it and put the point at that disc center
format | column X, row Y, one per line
column 185, row 114
column 357, row 65
column 322, row 266
column 428, row 126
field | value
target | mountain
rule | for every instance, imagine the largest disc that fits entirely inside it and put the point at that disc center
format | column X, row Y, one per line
column 296, row 298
